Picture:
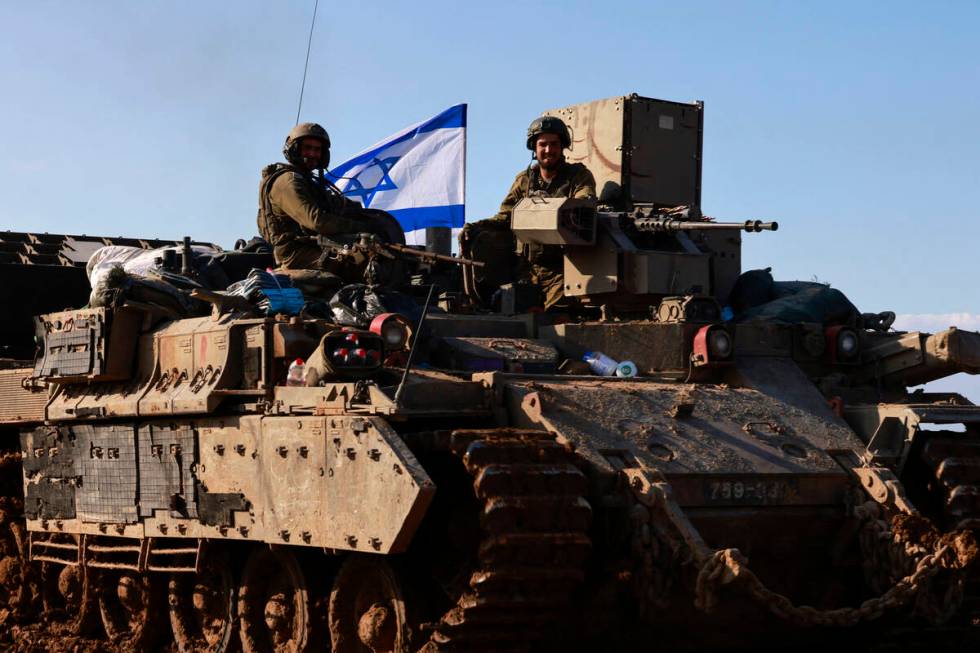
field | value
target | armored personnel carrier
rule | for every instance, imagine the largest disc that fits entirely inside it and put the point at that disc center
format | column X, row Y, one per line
column 461, row 480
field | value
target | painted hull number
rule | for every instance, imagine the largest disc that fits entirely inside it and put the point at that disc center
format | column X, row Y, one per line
column 749, row 491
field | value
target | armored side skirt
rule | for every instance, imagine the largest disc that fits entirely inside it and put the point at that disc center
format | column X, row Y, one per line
column 308, row 481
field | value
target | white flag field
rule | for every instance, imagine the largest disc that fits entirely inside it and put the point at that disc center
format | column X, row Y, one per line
column 417, row 175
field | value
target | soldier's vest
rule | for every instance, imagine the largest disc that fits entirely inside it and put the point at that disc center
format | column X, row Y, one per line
column 278, row 229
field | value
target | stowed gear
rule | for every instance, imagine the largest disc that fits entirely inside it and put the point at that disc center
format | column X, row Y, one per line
column 291, row 149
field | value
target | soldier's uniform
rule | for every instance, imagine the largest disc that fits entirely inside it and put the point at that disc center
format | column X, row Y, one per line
column 543, row 265
column 295, row 207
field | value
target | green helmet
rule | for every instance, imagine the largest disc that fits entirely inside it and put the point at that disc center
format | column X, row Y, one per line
column 306, row 130
column 548, row 125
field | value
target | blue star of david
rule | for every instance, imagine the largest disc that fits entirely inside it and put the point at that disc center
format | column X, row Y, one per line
column 357, row 189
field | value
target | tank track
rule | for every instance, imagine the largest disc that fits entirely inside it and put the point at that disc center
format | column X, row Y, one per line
column 534, row 541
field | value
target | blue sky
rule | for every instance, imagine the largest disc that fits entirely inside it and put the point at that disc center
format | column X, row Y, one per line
column 853, row 124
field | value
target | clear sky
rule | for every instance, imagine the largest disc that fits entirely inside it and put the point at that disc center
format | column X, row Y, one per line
column 855, row 125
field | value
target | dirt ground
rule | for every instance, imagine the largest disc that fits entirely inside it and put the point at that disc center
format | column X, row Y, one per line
column 54, row 638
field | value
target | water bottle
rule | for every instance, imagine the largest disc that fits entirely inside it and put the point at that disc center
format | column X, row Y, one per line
column 296, row 376
column 627, row 369
column 600, row 363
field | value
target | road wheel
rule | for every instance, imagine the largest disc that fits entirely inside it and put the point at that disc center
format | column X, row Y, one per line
column 204, row 608
column 131, row 606
column 69, row 597
column 367, row 612
column 273, row 603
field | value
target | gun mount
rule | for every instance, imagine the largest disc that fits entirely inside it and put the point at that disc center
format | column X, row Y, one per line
column 632, row 259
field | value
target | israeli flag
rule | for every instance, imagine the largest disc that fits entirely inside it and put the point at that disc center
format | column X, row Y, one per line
column 417, row 175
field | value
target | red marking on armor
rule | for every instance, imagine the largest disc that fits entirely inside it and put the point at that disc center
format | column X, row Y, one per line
column 204, row 347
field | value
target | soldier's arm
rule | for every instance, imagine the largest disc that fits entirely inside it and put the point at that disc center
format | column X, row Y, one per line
column 295, row 198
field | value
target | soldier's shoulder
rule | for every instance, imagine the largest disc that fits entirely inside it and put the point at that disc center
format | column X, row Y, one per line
column 579, row 169
column 522, row 175
column 285, row 176
column 275, row 169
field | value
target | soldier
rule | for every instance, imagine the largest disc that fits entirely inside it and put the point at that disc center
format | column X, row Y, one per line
column 553, row 176
column 295, row 206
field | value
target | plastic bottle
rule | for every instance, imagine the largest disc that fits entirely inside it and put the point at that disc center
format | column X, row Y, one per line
column 627, row 369
column 296, row 375
column 600, row 363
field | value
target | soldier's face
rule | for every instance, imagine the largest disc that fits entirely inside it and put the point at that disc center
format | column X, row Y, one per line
column 311, row 149
column 548, row 148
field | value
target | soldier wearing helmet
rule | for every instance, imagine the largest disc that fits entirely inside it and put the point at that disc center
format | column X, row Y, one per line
column 551, row 176
column 296, row 203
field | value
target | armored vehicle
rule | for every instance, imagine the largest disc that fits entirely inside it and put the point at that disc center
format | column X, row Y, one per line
column 460, row 478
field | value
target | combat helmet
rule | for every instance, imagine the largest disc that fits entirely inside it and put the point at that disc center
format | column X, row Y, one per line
column 306, row 130
column 548, row 125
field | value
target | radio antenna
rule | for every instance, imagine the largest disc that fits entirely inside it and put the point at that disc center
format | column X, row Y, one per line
column 306, row 66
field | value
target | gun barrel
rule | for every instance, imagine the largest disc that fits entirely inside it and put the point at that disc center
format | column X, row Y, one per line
column 915, row 358
column 669, row 225
column 430, row 256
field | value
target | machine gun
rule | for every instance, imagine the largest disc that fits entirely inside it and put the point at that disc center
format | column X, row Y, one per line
column 690, row 218
column 671, row 225
column 377, row 261
column 369, row 247
column 633, row 257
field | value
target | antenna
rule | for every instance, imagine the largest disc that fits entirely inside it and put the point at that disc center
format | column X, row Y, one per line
column 306, row 66
column 415, row 342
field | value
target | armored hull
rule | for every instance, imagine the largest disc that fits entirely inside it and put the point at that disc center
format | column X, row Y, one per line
column 481, row 511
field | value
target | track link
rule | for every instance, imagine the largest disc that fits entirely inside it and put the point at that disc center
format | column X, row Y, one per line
column 534, row 528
